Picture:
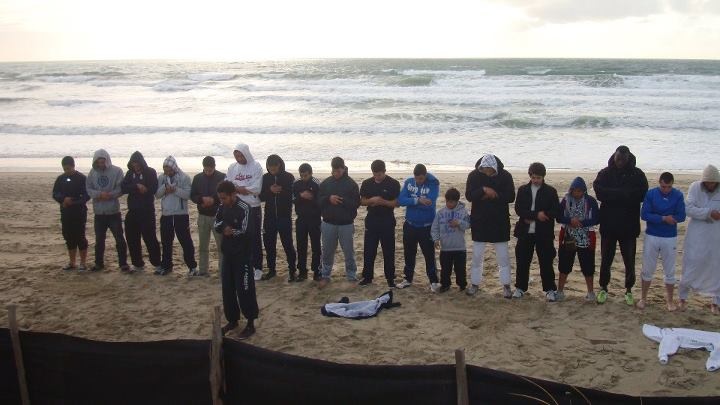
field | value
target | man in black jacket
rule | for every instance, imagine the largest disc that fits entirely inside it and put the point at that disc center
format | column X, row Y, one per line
column 69, row 191
column 140, row 184
column 490, row 189
column 537, row 205
column 203, row 192
column 276, row 192
column 339, row 201
column 306, row 193
column 621, row 188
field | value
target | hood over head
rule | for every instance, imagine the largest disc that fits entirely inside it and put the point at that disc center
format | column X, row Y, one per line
column 101, row 153
column 245, row 150
column 631, row 158
column 273, row 160
column 171, row 162
column 711, row 174
column 578, row 182
column 490, row 160
column 137, row 157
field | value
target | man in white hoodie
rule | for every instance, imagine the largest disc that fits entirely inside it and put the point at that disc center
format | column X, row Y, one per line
column 174, row 191
column 246, row 174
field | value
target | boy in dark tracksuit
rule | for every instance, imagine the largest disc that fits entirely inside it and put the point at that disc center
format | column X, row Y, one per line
column 140, row 184
column 69, row 190
column 276, row 192
column 305, row 196
column 537, row 204
column 238, row 284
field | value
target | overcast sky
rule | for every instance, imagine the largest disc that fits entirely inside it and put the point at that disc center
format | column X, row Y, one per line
column 32, row 30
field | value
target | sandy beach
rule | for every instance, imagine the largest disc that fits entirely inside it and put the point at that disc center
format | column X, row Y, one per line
column 573, row 342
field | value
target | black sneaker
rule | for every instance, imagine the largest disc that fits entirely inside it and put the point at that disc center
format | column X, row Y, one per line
column 125, row 268
column 444, row 289
column 292, row 278
column 97, row 267
column 301, row 277
column 228, row 327
column 267, row 276
column 391, row 284
column 165, row 272
column 364, row 282
column 246, row 333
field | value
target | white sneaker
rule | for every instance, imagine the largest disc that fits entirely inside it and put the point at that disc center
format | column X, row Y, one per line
column 258, row 274
column 404, row 284
column 551, row 296
column 507, row 292
column 472, row 290
column 137, row 269
column 434, row 287
column 193, row 272
column 518, row 293
column 590, row 297
column 560, row 296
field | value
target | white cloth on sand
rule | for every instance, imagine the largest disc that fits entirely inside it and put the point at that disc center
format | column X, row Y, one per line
column 701, row 256
column 360, row 309
column 672, row 339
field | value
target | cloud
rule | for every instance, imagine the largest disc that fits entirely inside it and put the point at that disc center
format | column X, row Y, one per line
column 569, row 11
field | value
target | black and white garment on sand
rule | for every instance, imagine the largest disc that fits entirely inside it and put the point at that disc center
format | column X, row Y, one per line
column 360, row 309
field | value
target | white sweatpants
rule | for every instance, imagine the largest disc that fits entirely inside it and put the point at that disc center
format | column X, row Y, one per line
column 666, row 250
column 503, row 259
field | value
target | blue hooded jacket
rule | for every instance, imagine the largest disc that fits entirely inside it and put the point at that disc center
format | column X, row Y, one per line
column 419, row 215
column 656, row 205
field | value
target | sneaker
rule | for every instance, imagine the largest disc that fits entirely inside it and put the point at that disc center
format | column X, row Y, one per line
column 125, row 268
column 518, row 293
column 472, row 290
column 444, row 289
column 292, row 278
column 81, row 268
column 158, row 270
column 404, row 284
column 270, row 274
column 165, row 272
column 352, row 279
column 629, row 299
column 228, row 327
column 507, row 292
column 560, row 296
column 602, row 297
column 97, row 267
column 434, row 287
column 590, row 297
column 192, row 272
column 301, row 277
column 551, row 296
column 258, row 274
column 364, row 282
column 69, row 267
column 246, row 333
column 316, row 277
column 137, row 269
column 391, row 284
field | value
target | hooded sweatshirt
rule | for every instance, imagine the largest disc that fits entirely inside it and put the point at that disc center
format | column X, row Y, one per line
column 248, row 175
column 345, row 187
column 620, row 190
column 277, row 205
column 490, row 218
column 173, row 203
column 417, row 214
column 584, row 208
column 657, row 205
column 451, row 239
column 147, row 177
column 106, row 180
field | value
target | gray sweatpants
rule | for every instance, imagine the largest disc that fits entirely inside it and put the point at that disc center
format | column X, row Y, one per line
column 330, row 235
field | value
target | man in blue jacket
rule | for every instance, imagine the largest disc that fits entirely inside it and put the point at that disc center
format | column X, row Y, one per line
column 419, row 194
column 662, row 209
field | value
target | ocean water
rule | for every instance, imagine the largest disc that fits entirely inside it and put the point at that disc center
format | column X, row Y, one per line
column 569, row 114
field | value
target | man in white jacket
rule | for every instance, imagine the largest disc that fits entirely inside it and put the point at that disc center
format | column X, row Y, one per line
column 701, row 254
column 246, row 174
column 174, row 192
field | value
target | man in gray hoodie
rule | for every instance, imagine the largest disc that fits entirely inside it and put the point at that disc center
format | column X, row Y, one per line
column 103, row 186
column 174, row 191
column 448, row 233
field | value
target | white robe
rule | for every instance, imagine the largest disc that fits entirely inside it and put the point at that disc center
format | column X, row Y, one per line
column 672, row 339
column 701, row 251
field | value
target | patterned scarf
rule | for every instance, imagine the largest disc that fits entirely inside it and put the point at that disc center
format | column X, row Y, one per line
column 577, row 209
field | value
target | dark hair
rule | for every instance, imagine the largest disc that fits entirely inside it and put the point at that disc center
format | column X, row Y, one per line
column 68, row 161
column 337, row 163
column 537, row 168
column 305, row 167
column 377, row 166
column 667, row 178
column 226, row 186
column 273, row 160
column 420, row 169
column 623, row 150
column 452, row 194
column 209, row 161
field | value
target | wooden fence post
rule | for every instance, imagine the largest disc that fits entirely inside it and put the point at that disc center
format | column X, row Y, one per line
column 17, row 351
column 461, row 378
column 217, row 378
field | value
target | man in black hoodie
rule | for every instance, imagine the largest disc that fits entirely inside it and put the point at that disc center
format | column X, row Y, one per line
column 537, row 205
column 339, row 202
column 490, row 189
column 621, row 188
column 69, row 191
column 306, row 192
column 276, row 192
column 203, row 192
column 140, row 184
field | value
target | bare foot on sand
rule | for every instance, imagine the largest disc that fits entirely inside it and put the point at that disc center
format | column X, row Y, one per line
column 640, row 304
column 671, row 306
column 683, row 305
column 714, row 309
